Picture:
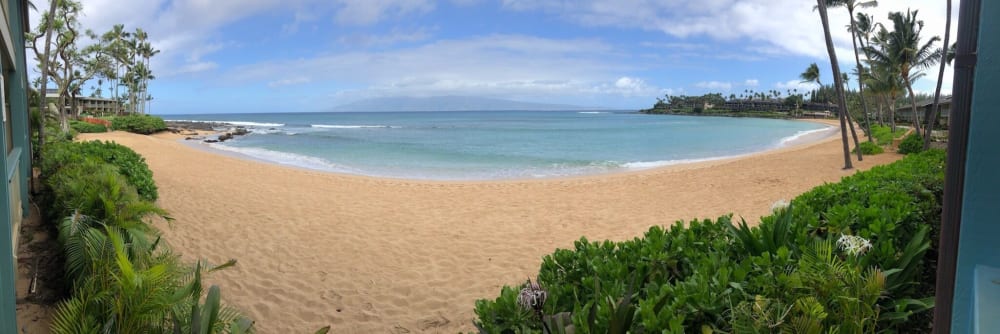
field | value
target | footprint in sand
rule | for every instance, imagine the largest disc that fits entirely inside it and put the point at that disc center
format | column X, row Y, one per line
column 434, row 322
column 331, row 295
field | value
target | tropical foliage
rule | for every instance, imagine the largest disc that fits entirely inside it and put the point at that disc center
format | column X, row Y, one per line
column 132, row 166
column 84, row 127
column 124, row 279
column 869, row 148
column 848, row 257
column 141, row 124
column 911, row 144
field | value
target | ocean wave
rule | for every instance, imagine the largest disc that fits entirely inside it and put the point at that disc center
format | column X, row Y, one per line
column 284, row 158
column 237, row 123
column 326, row 126
column 801, row 134
column 662, row 163
column 592, row 112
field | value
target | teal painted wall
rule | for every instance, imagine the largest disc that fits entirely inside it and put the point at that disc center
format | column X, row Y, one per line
column 19, row 160
column 979, row 241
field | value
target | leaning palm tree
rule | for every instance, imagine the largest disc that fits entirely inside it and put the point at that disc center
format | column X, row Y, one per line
column 902, row 49
column 932, row 114
column 851, row 5
column 885, row 81
column 821, row 5
column 811, row 74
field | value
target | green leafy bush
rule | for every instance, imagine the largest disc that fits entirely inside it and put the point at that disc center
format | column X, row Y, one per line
column 883, row 135
column 868, row 148
column 130, row 164
column 84, row 127
column 141, row 124
column 124, row 280
column 792, row 273
column 913, row 143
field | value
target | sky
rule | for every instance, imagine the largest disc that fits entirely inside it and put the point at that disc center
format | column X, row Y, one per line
column 227, row 56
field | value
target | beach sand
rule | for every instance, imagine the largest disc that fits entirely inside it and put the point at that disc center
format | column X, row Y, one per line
column 370, row 255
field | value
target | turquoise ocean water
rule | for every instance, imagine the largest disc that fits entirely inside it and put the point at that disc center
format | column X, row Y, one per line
column 487, row 145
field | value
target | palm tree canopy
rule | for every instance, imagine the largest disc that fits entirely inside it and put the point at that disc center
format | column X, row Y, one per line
column 901, row 47
column 811, row 74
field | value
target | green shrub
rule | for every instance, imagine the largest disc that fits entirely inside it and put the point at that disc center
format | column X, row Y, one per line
column 141, row 124
column 868, row 148
column 84, row 127
column 913, row 143
column 130, row 164
column 884, row 135
column 124, row 280
column 785, row 275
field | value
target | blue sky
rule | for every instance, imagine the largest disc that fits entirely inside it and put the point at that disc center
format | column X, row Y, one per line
column 310, row 55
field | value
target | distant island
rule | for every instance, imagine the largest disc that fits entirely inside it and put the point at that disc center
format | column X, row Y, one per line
column 451, row 103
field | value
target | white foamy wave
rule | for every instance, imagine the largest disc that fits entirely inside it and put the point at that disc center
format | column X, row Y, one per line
column 326, row 126
column 255, row 124
column 283, row 158
column 592, row 112
column 802, row 134
column 238, row 123
column 662, row 163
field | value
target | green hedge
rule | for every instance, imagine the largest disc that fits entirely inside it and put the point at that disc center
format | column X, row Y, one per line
column 883, row 135
column 914, row 143
column 789, row 274
column 141, row 124
column 124, row 279
column 128, row 163
column 84, row 127
column 869, row 148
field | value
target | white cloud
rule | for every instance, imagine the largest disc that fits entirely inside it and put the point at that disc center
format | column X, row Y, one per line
column 367, row 12
column 391, row 38
column 186, row 31
column 777, row 27
column 796, row 84
column 494, row 65
column 751, row 83
column 714, row 85
column 289, row 81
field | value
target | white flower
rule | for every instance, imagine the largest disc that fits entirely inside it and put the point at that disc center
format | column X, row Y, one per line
column 532, row 297
column 779, row 205
column 854, row 245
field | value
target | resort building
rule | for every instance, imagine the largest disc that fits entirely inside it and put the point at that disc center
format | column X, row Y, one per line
column 904, row 113
column 15, row 162
column 86, row 105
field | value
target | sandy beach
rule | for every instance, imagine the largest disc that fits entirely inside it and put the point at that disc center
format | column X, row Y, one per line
column 371, row 255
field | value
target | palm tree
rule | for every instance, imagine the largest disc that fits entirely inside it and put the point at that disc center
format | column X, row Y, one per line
column 885, row 81
column 932, row 114
column 821, row 5
column 851, row 5
column 42, row 106
column 902, row 49
column 811, row 74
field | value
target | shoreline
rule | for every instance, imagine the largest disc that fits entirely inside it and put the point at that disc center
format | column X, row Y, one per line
column 367, row 254
column 805, row 140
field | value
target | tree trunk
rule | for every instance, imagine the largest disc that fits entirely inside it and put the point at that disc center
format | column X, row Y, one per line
column 861, row 85
column 913, row 104
column 854, row 133
column 821, row 4
column 932, row 115
column 892, row 114
column 42, row 106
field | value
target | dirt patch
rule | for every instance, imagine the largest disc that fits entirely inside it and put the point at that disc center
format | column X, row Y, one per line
column 40, row 279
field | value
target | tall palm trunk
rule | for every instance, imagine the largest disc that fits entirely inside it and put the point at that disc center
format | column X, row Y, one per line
column 43, row 88
column 913, row 104
column 892, row 113
column 821, row 5
column 932, row 115
column 861, row 85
